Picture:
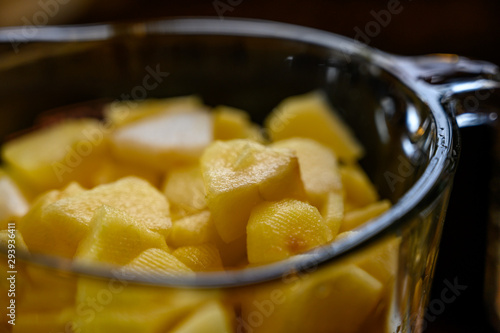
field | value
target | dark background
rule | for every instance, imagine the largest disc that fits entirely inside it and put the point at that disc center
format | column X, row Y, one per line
column 468, row 28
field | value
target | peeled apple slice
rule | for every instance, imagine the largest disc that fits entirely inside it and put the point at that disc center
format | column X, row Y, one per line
column 199, row 258
column 213, row 317
column 185, row 190
column 231, row 123
column 68, row 218
column 155, row 262
column 38, row 233
column 355, row 218
column 310, row 116
column 278, row 230
column 318, row 168
column 76, row 148
column 116, row 238
column 135, row 298
column 164, row 139
column 132, row 307
column 333, row 212
column 381, row 262
column 238, row 174
column 121, row 113
column 359, row 190
column 337, row 300
column 198, row 229
column 193, row 230
column 12, row 202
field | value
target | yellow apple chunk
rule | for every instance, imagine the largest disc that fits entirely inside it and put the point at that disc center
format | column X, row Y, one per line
column 231, row 123
column 333, row 212
column 69, row 218
column 355, row 218
column 153, row 311
column 318, row 168
column 116, row 238
column 193, row 230
column 13, row 204
column 185, row 190
column 380, row 260
column 199, row 258
column 310, row 116
column 213, row 317
column 165, row 139
column 54, row 156
column 338, row 299
column 120, row 113
column 198, row 229
column 278, row 230
column 155, row 262
column 238, row 174
column 359, row 190
column 122, row 296
column 38, row 233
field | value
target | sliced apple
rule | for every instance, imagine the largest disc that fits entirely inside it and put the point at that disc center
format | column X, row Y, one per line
column 318, row 168
column 193, row 230
column 203, row 257
column 155, row 262
column 310, row 116
column 69, row 217
column 231, row 123
column 278, row 230
column 165, row 139
column 333, row 212
column 38, row 233
column 213, row 317
column 116, row 238
column 121, row 113
column 355, row 218
column 76, row 149
column 238, row 174
column 13, row 204
column 185, row 190
column 359, row 190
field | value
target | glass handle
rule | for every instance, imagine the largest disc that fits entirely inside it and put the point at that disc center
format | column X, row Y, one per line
column 476, row 102
column 465, row 87
column 470, row 91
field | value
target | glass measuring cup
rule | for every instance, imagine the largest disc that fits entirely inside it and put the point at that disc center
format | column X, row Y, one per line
column 404, row 110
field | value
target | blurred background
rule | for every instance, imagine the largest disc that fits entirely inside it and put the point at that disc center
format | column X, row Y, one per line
column 468, row 28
